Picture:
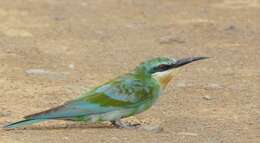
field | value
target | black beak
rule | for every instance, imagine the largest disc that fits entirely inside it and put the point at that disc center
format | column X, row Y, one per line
column 185, row 61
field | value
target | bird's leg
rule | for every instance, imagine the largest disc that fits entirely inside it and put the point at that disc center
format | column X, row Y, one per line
column 120, row 124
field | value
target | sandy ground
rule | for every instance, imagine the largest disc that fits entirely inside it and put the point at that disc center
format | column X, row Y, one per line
column 52, row 50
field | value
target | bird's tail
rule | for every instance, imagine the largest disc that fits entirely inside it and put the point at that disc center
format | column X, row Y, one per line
column 23, row 123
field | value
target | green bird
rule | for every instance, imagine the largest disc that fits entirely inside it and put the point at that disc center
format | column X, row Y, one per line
column 124, row 96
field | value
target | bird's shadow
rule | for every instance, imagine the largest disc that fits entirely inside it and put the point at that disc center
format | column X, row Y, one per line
column 68, row 126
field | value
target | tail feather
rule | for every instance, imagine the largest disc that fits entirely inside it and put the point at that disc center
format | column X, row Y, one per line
column 46, row 112
column 23, row 123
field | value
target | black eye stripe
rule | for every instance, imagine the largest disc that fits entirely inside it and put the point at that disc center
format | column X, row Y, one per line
column 165, row 67
column 161, row 68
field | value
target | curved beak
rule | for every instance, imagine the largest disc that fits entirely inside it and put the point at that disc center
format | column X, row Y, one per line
column 185, row 61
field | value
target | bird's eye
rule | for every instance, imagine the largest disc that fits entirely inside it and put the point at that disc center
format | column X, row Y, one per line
column 162, row 66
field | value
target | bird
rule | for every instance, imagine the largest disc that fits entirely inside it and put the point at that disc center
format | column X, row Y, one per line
column 124, row 96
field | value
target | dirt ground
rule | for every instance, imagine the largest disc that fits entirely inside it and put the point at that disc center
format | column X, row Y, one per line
column 52, row 50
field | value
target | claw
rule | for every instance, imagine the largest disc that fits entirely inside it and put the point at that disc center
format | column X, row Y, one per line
column 120, row 124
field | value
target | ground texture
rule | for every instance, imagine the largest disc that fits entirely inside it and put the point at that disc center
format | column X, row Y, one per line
column 52, row 50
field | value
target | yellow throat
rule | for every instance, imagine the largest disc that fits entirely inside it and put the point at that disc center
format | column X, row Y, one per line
column 164, row 77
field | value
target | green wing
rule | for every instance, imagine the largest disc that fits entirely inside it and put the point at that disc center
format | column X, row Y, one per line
column 124, row 91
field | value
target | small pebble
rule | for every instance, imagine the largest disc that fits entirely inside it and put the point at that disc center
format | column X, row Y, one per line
column 50, row 74
column 187, row 134
column 213, row 86
column 71, row 66
column 37, row 71
column 66, row 138
column 206, row 97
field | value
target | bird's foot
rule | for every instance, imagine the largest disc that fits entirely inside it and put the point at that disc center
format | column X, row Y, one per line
column 120, row 124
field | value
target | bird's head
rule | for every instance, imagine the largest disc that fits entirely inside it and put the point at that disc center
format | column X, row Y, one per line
column 162, row 68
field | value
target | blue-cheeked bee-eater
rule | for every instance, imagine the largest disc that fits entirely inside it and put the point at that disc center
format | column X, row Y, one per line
column 124, row 96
